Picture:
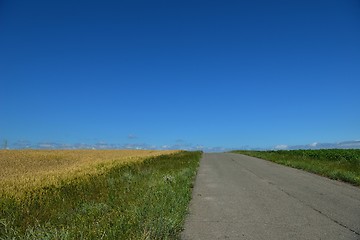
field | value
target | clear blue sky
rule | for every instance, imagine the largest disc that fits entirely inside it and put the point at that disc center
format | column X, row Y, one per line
column 213, row 73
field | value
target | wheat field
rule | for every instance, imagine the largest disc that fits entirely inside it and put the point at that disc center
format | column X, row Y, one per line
column 22, row 171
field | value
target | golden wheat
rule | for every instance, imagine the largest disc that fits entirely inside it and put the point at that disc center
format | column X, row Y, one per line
column 25, row 170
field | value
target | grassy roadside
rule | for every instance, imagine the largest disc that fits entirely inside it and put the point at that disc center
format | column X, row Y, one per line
column 338, row 164
column 142, row 200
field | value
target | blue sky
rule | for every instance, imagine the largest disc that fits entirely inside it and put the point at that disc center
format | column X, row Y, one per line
column 198, row 73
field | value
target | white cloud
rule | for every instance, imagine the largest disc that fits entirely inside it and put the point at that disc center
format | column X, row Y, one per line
column 281, row 147
column 132, row 136
column 46, row 145
column 178, row 145
column 317, row 145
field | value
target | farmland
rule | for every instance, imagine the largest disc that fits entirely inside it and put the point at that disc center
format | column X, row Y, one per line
column 23, row 170
column 93, row 194
column 338, row 164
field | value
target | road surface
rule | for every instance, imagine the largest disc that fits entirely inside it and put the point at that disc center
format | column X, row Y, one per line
column 241, row 197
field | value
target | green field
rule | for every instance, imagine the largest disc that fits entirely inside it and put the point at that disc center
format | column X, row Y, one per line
column 338, row 164
column 136, row 200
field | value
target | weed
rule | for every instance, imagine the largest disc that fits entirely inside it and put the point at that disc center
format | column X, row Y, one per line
column 338, row 164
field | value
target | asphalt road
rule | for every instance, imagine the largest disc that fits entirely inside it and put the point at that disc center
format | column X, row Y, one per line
column 241, row 197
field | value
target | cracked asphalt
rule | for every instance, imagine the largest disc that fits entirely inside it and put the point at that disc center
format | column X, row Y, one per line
column 241, row 197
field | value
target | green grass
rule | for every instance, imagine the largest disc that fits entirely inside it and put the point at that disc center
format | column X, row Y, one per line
column 338, row 164
column 146, row 200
